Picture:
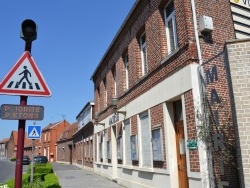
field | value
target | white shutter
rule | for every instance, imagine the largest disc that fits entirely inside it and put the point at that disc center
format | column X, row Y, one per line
column 145, row 140
column 127, row 146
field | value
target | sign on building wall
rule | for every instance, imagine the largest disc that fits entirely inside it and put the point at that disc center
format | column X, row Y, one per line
column 240, row 13
column 216, row 128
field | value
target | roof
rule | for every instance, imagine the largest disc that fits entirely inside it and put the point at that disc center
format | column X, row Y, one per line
column 83, row 128
column 88, row 104
column 4, row 140
column 51, row 125
column 68, row 133
column 27, row 142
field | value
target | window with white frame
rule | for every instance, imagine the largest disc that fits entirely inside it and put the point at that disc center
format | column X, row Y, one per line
column 157, row 144
column 126, row 64
column 145, row 140
column 127, row 144
column 84, row 148
column 170, row 24
column 105, row 92
column 100, row 147
column 143, row 46
column 45, row 137
column 108, row 149
column 119, row 147
column 114, row 77
column 134, row 147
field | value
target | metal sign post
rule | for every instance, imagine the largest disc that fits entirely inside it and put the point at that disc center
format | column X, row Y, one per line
column 31, row 83
column 21, row 134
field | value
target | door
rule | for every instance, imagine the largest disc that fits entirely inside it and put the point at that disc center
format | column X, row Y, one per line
column 180, row 145
column 70, row 154
column 181, row 155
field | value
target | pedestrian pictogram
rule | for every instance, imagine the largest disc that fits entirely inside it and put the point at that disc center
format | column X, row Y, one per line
column 34, row 131
column 25, row 79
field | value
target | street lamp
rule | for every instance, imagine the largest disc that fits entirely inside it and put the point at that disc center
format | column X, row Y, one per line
column 96, row 117
column 114, row 103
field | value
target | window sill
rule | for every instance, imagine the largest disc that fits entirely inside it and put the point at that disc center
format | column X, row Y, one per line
column 170, row 55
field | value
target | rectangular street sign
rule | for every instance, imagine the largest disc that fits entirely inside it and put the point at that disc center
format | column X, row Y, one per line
column 18, row 112
column 34, row 131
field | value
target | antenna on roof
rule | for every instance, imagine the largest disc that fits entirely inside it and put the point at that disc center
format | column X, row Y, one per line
column 63, row 116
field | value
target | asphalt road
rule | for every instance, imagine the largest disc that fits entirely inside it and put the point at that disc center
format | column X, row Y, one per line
column 7, row 170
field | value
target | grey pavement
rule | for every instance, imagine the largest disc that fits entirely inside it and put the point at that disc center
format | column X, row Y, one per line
column 73, row 176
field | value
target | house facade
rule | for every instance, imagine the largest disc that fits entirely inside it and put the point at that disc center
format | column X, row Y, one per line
column 83, row 138
column 12, row 145
column 65, row 145
column 3, row 148
column 163, row 97
column 49, row 138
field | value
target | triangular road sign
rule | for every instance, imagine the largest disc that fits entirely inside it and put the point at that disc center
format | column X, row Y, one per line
column 25, row 79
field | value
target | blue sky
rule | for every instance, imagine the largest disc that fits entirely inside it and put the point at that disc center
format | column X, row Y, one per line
column 72, row 39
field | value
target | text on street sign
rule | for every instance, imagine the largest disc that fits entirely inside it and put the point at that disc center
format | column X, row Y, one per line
column 18, row 112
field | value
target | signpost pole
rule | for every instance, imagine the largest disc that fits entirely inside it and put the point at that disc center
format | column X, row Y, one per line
column 32, row 162
column 20, row 146
column 21, row 134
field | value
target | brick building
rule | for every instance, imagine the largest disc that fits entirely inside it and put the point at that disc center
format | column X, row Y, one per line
column 50, row 135
column 12, row 145
column 3, row 148
column 163, row 97
column 83, row 138
column 65, row 144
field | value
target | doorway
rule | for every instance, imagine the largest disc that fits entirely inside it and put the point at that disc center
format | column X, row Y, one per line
column 180, row 145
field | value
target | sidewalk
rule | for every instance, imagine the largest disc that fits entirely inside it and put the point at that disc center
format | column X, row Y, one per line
column 72, row 176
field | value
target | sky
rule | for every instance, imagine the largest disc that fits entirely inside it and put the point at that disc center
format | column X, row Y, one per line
column 72, row 38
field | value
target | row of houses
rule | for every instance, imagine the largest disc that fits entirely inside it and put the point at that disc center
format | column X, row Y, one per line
column 171, row 100
column 60, row 141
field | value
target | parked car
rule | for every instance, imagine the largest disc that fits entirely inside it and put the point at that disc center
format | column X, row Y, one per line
column 26, row 160
column 40, row 159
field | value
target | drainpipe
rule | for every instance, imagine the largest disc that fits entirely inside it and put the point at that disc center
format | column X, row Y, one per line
column 205, row 174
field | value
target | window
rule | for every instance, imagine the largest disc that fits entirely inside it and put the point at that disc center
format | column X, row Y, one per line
column 105, row 92
column 119, row 148
column 134, row 147
column 170, row 24
column 157, row 145
column 100, row 147
column 108, row 150
column 145, row 140
column 114, row 77
column 127, row 145
column 143, row 46
column 126, row 64
column 178, row 111
column 45, row 137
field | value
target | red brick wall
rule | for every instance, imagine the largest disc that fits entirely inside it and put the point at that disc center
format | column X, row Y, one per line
column 148, row 16
column 52, row 135
column 63, row 152
column 11, row 148
column 88, row 146
column 191, row 130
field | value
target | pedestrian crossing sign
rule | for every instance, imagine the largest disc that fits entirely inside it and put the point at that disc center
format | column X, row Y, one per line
column 25, row 79
column 34, row 131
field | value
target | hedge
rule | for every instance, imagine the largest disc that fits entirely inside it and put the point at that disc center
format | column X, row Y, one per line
column 43, row 177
